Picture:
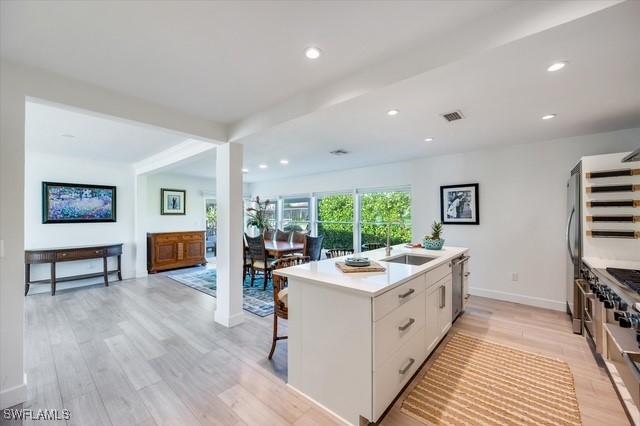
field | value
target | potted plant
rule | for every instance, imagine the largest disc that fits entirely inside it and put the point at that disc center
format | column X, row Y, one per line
column 434, row 242
column 258, row 215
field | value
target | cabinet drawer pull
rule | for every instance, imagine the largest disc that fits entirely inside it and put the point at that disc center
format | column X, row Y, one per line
column 407, row 294
column 64, row 254
column 467, row 274
column 407, row 325
column 407, row 367
column 443, row 295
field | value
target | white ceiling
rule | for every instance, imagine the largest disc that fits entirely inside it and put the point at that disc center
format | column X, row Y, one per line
column 95, row 137
column 227, row 60
column 503, row 93
column 221, row 60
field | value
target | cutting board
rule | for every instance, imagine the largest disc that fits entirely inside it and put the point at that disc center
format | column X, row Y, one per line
column 374, row 267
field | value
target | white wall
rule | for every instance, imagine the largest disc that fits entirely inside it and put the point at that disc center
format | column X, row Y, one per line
column 522, row 208
column 43, row 167
column 19, row 82
column 197, row 189
column 393, row 174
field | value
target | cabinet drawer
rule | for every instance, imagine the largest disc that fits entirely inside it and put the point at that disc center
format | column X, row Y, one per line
column 393, row 375
column 435, row 275
column 390, row 333
column 398, row 296
column 79, row 254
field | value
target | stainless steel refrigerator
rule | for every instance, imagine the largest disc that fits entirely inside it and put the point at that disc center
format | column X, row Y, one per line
column 574, row 245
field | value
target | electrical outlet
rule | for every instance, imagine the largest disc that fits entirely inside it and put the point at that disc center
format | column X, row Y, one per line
column 514, row 276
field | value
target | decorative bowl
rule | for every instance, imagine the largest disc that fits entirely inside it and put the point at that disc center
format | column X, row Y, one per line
column 433, row 244
column 357, row 261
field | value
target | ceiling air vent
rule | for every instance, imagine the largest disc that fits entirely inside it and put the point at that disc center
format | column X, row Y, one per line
column 453, row 116
column 339, row 152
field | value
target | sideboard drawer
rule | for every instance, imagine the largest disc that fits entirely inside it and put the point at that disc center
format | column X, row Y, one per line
column 435, row 275
column 390, row 333
column 393, row 375
column 79, row 254
column 386, row 302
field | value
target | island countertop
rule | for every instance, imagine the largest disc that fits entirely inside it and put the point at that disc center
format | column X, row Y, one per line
column 372, row 284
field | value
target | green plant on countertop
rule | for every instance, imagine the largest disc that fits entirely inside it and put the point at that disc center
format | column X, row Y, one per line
column 434, row 241
column 436, row 231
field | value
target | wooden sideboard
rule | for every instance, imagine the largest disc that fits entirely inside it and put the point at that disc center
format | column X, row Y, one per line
column 171, row 250
column 68, row 254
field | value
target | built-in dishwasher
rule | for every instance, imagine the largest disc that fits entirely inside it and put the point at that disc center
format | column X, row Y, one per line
column 460, row 275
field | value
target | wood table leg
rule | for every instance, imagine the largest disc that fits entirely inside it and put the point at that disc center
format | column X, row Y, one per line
column 27, row 278
column 119, row 268
column 53, row 278
column 105, row 271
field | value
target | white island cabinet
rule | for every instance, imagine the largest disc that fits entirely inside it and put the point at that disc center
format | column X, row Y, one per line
column 355, row 340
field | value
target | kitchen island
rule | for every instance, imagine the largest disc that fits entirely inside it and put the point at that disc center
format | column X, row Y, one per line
column 356, row 339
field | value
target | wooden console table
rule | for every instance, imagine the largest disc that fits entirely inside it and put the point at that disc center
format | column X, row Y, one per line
column 67, row 254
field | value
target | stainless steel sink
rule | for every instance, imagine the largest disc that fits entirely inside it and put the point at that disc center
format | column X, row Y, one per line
column 409, row 259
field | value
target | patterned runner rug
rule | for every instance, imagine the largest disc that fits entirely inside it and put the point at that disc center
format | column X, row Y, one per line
column 256, row 300
column 475, row 382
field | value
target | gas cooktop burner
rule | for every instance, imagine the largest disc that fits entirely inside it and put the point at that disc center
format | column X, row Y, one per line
column 628, row 277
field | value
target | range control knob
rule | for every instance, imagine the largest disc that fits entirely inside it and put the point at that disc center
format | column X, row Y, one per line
column 623, row 306
column 624, row 322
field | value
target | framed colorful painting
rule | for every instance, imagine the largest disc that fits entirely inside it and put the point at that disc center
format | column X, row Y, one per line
column 78, row 203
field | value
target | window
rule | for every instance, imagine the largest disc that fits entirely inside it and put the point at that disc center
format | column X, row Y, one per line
column 335, row 220
column 295, row 214
column 382, row 212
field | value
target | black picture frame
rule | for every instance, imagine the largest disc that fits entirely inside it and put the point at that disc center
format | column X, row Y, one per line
column 46, row 202
column 165, row 192
column 474, row 204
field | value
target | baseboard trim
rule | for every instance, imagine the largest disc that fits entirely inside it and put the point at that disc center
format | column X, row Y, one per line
column 538, row 302
column 308, row 398
column 14, row 396
column 229, row 321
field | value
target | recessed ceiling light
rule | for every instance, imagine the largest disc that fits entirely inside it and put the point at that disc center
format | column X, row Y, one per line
column 67, row 135
column 283, row 161
column 263, row 166
column 245, row 170
column 312, row 52
column 428, row 139
column 548, row 116
column 557, row 66
column 392, row 112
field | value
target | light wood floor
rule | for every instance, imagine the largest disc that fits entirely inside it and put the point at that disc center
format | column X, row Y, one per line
column 147, row 351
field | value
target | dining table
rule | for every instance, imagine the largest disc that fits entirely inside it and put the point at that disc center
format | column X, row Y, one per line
column 277, row 249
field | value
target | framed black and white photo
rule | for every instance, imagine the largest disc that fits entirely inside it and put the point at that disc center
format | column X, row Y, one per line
column 173, row 201
column 459, row 204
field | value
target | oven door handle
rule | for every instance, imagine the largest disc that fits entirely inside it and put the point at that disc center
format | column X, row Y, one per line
column 632, row 365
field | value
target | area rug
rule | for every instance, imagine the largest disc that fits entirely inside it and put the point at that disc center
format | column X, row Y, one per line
column 256, row 300
column 476, row 382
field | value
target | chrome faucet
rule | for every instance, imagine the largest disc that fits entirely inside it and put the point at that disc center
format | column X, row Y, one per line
column 388, row 248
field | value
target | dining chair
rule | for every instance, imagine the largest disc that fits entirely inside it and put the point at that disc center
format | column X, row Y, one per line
column 246, row 261
column 299, row 237
column 313, row 247
column 267, row 234
column 280, row 296
column 282, row 236
column 372, row 246
column 259, row 259
column 338, row 252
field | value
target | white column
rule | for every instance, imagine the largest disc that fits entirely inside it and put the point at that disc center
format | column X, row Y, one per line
column 229, row 237
column 140, row 239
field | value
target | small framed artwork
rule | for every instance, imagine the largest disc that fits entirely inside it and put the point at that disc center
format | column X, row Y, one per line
column 173, row 201
column 78, row 203
column 459, row 204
